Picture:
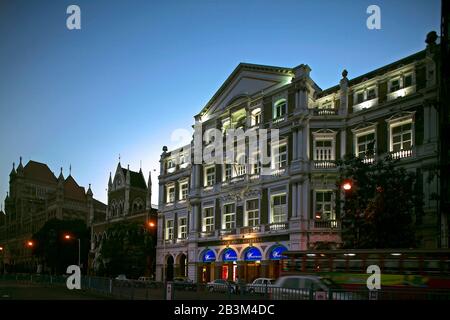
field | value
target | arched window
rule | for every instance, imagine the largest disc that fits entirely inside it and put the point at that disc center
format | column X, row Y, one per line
column 279, row 109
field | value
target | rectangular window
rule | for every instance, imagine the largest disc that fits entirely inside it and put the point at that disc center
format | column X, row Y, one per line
column 208, row 220
column 210, row 176
column 227, row 172
column 401, row 137
column 169, row 229
column 395, row 85
column 182, row 228
column 365, row 145
column 323, row 150
column 170, row 194
column 279, row 208
column 280, row 157
column 360, row 97
column 324, row 205
column 183, row 190
column 252, row 209
column 371, row 94
column 408, row 81
column 229, row 216
column 256, row 166
column 241, row 169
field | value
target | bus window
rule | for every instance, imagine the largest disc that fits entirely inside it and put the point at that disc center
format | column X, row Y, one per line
column 355, row 266
column 339, row 265
column 391, row 266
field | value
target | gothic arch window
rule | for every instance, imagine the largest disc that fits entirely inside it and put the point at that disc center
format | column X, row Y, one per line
column 138, row 205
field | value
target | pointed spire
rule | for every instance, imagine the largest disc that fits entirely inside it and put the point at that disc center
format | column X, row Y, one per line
column 119, row 158
column 149, row 180
column 13, row 171
column 89, row 192
column 61, row 176
column 7, row 195
column 140, row 166
column 110, row 179
column 20, row 167
column 70, row 169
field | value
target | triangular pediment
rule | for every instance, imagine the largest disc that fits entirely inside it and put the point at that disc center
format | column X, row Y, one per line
column 245, row 81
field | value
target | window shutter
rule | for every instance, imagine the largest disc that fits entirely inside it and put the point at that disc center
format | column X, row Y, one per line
column 240, row 216
column 421, row 80
column 382, row 92
column 418, row 126
column 382, row 142
column 217, row 216
column 264, row 209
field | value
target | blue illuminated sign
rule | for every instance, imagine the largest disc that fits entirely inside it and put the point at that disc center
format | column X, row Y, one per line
column 209, row 256
column 229, row 255
column 252, row 254
column 277, row 253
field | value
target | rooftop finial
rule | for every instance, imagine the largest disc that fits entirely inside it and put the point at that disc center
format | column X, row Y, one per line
column 70, row 169
column 344, row 73
column 20, row 159
column 61, row 170
column 14, row 166
column 119, row 157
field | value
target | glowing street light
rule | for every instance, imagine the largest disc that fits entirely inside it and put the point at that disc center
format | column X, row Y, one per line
column 69, row 237
column 347, row 185
column 151, row 224
column 1, row 248
column 30, row 244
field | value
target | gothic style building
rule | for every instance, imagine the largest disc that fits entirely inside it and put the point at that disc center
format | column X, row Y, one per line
column 230, row 221
column 129, row 199
column 36, row 196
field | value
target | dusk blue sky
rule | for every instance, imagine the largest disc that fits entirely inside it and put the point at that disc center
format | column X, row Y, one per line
column 138, row 70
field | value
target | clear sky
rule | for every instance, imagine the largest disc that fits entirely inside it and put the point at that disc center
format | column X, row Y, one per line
column 138, row 70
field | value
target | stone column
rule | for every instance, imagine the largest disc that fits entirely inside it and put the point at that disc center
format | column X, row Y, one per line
column 217, row 270
column 294, row 212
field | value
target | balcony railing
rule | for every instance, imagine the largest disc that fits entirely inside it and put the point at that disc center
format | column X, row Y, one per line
column 181, row 240
column 324, row 164
column 224, row 232
column 405, row 153
column 325, row 112
column 325, row 224
column 254, row 229
column 279, row 119
column 368, row 160
column 207, row 234
column 278, row 172
column 277, row 226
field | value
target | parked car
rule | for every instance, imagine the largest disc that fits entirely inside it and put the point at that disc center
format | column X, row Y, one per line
column 123, row 281
column 220, row 285
column 184, row 283
column 304, row 287
column 260, row 285
column 146, row 282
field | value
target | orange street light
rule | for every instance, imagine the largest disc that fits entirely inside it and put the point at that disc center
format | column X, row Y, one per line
column 30, row 244
column 151, row 224
column 69, row 237
column 347, row 186
column 1, row 248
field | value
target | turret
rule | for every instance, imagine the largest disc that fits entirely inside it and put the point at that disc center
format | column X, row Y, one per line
column 20, row 168
column 13, row 172
column 149, row 192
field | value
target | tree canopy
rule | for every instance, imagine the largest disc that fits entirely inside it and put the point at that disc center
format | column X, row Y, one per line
column 381, row 207
column 54, row 250
column 125, row 250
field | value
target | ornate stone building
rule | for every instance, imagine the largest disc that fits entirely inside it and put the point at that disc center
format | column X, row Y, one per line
column 36, row 196
column 129, row 199
column 230, row 221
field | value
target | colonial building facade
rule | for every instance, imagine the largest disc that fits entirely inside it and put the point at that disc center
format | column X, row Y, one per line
column 129, row 199
column 230, row 221
column 36, row 196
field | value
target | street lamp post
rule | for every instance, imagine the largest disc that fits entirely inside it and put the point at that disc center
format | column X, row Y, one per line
column 69, row 237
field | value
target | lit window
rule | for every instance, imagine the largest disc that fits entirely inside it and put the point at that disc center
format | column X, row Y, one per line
column 169, row 229
column 324, row 205
column 256, row 117
column 229, row 216
column 182, row 228
column 365, row 145
column 323, row 149
column 278, row 208
column 183, row 190
column 401, row 136
column 227, row 172
column 170, row 194
column 252, row 209
column 210, row 176
column 279, row 109
column 208, row 220
column 280, row 156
